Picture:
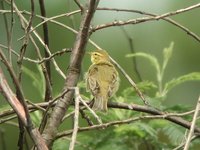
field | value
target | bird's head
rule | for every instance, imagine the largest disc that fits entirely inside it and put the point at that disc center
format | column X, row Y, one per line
column 99, row 56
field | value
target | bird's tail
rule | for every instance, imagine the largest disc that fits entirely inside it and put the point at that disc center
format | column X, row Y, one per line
column 100, row 103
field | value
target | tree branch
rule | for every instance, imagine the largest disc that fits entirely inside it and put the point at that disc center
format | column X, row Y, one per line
column 21, row 112
column 48, row 88
column 172, row 117
column 144, row 19
column 191, row 132
column 76, row 117
column 72, row 75
column 19, row 106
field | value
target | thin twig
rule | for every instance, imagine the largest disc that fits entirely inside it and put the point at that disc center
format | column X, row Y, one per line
column 20, row 107
column 8, row 32
column 61, row 24
column 52, row 18
column 7, row 119
column 144, row 19
column 50, row 104
column 36, row 106
column 172, row 117
column 106, row 125
column 48, row 88
column 76, row 117
column 65, row 50
column 41, row 41
column 23, row 23
column 79, row 5
column 68, row 115
column 131, row 45
column 7, row 92
column 86, row 117
column 20, row 61
column 140, row 94
column 58, row 53
column 86, row 105
column 92, row 112
column 21, row 135
column 192, row 34
column 16, row 54
column 26, row 39
column 191, row 132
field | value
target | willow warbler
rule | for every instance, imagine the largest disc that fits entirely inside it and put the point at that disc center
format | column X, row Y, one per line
column 102, row 79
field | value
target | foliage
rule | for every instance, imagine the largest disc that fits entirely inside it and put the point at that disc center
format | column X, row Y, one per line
column 163, row 89
column 144, row 134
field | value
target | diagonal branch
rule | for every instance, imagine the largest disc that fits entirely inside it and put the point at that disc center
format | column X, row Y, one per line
column 72, row 75
column 175, row 23
column 144, row 19
column 12, row 99
column 173, row 118
column 191, row 132
column 20, row 107
column 76, row 117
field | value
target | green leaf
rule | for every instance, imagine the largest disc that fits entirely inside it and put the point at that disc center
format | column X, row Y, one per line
column 174, row 82
column 151, row 58
column 130, row 129
column 167, row 53
column 127, row 92
column 148, row 129
column 60, row 144
column 146, row 85
column 174, row 133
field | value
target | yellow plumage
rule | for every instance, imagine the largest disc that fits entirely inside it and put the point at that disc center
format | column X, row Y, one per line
column 102, row 79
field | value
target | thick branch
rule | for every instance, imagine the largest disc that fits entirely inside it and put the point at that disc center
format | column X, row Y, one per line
column 156, row 114
column 175, row 118
column 72, row 75
column 21, row 112
column 12, row 99
column 153, row 111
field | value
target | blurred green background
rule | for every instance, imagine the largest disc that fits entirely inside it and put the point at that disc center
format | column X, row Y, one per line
column 149, row 37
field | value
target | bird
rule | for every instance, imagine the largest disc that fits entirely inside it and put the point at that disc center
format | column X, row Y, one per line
column 102, row 79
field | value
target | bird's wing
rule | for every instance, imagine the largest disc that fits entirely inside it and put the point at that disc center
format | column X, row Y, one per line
column 91, row 80
column 114, row 83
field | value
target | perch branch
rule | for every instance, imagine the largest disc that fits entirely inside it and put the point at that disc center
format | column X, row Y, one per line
column 191, row 132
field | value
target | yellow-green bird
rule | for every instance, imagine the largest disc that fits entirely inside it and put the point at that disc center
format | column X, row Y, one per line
column 102, row 79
